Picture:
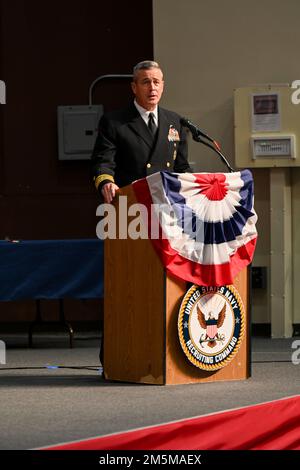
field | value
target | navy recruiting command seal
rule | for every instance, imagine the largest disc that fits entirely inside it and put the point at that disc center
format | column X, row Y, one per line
column 211, row 325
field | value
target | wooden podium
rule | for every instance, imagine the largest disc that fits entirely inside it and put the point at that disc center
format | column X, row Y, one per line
column 141, row 305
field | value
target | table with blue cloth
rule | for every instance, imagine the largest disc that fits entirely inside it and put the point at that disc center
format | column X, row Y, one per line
column 51, row 269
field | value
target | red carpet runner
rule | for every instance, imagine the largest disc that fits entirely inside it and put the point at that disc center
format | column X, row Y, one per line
column 269, row 426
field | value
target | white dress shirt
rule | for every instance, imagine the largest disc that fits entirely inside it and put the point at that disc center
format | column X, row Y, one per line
column 145, row 114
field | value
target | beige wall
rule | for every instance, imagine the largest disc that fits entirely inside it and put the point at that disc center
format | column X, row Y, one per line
column 295, row 180
column 209, row 48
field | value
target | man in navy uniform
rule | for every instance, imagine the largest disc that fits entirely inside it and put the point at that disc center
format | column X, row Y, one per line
column 140, row 140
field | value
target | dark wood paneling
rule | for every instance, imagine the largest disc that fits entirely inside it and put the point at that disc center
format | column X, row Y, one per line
column 50, row 52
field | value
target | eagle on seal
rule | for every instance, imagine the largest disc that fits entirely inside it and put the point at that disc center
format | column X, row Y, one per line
column 211, row 326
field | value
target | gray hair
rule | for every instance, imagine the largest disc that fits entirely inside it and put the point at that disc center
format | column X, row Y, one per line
column 145, row 65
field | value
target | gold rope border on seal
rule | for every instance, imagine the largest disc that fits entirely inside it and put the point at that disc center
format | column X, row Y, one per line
column 191, row 358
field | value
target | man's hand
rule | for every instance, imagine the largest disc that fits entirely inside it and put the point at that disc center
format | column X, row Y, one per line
column 108, row 191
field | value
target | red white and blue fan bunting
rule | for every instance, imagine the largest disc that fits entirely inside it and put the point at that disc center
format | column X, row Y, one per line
column 206, row 222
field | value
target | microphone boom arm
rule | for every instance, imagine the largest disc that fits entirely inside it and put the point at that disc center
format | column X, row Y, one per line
column 198, row 136
column 223, row 158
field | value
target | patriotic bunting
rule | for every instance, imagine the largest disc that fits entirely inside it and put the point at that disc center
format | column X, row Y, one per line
column 202, row 225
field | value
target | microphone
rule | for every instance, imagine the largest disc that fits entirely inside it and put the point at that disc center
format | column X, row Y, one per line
column 196, row 133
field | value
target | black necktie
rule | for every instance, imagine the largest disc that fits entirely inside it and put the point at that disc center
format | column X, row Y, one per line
column 151, row 124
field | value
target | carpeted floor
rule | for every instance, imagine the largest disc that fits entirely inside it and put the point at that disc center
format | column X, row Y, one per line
column 52, row 394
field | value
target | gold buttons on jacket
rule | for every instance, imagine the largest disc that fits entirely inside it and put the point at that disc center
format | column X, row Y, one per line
column 148, row 165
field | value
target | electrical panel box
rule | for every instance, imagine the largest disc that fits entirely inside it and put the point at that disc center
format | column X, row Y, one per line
column 273, row 146
column 266, row 127
column 77, row 131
